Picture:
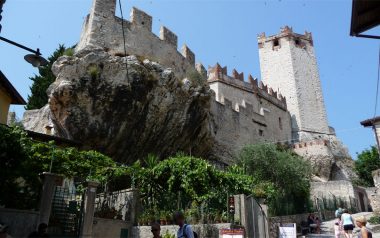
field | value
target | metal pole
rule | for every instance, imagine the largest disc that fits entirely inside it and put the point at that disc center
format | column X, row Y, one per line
column 37, row 52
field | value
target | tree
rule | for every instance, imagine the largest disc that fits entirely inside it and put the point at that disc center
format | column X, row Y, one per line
column 41, row 82
column 368, row 161
column 284, row 176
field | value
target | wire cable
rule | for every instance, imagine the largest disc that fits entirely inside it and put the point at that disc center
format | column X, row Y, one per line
column 122, row 29
column 377, row 84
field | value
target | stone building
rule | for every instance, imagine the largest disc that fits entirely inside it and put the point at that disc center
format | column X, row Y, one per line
column 288, row 64
column 245, row 112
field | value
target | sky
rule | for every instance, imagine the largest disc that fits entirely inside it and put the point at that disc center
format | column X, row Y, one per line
column 223, row 31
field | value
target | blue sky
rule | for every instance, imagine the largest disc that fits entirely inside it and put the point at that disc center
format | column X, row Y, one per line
column 220, row 31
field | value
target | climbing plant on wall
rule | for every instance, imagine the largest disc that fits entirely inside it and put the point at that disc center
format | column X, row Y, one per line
column 23, row 159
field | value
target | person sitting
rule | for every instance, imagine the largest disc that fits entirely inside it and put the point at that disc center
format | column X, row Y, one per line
column 318, row 225
column 41, row 232
column 311, row 223
column 361, row 222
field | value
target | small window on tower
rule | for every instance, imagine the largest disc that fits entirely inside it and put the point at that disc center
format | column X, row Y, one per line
column 297, row 41
column 261, row 132
column 280, row 123
column 276, row 43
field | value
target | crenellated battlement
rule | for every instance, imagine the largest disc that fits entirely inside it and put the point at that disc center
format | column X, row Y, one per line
column 287, row 33
column 309, row 144
column 219, row 74
column 103, row 29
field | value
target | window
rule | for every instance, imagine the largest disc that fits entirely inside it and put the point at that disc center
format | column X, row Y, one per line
column 261, row 132
column 297, row 41
column 280, row 123
column 276, row 43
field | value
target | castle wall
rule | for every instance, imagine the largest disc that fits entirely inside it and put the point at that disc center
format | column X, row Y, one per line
column 103, row 29
column 342, row 189
column 288, row 63
column 246, row 114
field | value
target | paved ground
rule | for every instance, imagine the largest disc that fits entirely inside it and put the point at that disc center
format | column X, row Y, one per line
column 327, row 228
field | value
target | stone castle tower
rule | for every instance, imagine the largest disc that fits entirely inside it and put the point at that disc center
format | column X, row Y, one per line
column 288, row 64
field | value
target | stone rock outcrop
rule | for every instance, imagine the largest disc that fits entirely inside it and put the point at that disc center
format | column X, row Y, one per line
column 329, row 158
column 127, row 115
column 37, row 119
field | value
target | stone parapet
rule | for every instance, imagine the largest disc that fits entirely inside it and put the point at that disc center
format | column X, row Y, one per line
column 285, row 32
column 103, row 29
column 219, row 74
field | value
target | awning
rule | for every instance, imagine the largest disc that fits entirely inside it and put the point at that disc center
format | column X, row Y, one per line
column 365, row 15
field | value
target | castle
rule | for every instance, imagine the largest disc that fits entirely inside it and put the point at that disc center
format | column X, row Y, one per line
column 286, row 106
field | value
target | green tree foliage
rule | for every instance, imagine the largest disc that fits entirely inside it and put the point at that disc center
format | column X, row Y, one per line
column 368, row 161
column 282, row 174
column 22, row 160
column 41, row 82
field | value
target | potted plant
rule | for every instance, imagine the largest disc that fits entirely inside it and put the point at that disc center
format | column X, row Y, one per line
column 169, row 218
column 163, row 218
column 224, row 217
column 218, row 217
column 168, row 235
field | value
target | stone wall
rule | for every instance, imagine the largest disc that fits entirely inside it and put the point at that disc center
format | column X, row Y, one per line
column 204, row 230
column 102, row 28
column 362, row 199
column 275, row 222
column 20, row 222
column 127, row 200
column 374, row 193
column 245, row 113
column 109, row 228
column 343, row 189
column 288, row 62
column 373, row 199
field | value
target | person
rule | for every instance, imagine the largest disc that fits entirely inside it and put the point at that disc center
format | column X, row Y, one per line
column 311, row 223
column 156, row 230
column 338, row 227
column 348, row 223
column 318, row 225
column 338, row 212
column 184, row 230
column 361, row 222
column 41, row 232
column 4, row 231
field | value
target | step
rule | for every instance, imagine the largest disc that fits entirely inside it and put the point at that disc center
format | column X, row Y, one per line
column 320, row 235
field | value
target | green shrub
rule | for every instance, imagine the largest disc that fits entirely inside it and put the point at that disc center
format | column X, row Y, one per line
column 195, row 77
column 374, row 220
column 281, row 176
column 93, row 71
column 69, row 52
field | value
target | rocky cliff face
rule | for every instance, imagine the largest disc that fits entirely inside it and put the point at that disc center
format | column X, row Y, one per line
column 127, row 115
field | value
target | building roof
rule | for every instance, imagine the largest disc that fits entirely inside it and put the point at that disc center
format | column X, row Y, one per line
column 59, row 140
column 370, row 122
column 365, row 15
column 15, row 96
